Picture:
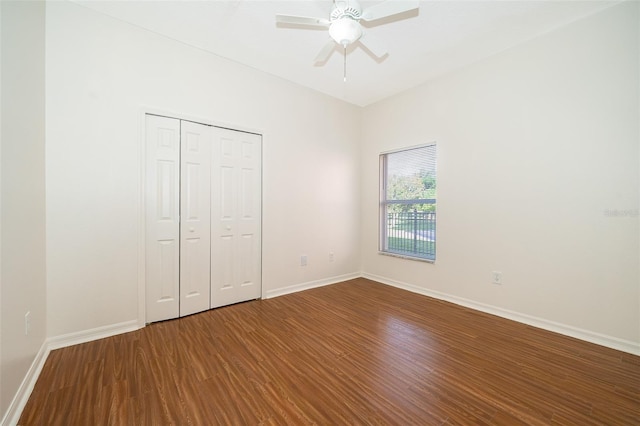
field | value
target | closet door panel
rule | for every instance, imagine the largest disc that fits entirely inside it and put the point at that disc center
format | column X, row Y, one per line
column 249, row 199
column 162, row 203
column 236, row 217
column 195, row 200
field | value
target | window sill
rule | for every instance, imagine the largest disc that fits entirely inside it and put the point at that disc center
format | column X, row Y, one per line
column 405, row 256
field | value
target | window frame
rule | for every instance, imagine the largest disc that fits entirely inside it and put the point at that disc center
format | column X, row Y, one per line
column 383, row 203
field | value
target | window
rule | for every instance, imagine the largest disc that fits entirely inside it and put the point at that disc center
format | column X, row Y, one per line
column 408, row 202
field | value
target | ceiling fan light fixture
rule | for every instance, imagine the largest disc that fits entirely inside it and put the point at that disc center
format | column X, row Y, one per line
column 345, row 31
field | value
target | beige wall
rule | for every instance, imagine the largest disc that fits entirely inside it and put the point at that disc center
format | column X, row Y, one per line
column 537, row 150
column 22, row 192
column 97, row 84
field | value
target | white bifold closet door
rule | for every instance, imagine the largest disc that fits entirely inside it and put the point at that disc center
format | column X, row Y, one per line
column 203, row 214
column 162, row 205
column 195, row 217
column 236, row 211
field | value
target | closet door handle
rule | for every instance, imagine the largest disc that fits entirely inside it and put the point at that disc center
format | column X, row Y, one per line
column 228, row 227
column 192, row 229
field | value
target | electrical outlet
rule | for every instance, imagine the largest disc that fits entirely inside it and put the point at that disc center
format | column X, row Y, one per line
column 496, row 277
column 303, row 260
column 331, row 256
column 27, row 323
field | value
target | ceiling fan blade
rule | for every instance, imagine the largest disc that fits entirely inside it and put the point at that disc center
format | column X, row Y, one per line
column 388, row 8
column 302, row 20
column 326, row 51
column 373, row 44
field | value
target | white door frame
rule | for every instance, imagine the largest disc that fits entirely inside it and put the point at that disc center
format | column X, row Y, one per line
column 142, row 219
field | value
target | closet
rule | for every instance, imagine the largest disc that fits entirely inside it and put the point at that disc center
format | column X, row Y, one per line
column 203, row 217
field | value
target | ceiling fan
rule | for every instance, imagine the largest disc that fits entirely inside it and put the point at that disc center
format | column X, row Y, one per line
column 344, row 24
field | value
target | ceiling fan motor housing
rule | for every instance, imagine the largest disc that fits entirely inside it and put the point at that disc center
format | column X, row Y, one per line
column 346, row 9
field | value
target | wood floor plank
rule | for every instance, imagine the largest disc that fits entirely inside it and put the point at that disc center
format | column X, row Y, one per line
column 357, row 352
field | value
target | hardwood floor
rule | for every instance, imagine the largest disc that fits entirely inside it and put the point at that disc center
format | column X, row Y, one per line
column 357, row 352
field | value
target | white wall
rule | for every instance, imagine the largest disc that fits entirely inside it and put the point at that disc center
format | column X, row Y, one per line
column 536, row 147
column 2, row 406
column 100, row 73
column 22, row 191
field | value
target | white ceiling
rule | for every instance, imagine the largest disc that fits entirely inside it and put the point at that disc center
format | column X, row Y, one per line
column 442, row 36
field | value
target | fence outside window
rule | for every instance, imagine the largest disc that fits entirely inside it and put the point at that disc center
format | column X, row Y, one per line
column 411, row 233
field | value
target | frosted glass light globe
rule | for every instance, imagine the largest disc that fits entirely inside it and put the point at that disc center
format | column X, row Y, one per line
column 345, row 31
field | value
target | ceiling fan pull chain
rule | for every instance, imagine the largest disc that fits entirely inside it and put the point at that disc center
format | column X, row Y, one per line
column 345, row 63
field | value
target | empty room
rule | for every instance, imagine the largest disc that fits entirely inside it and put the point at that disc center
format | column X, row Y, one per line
column 319, row 212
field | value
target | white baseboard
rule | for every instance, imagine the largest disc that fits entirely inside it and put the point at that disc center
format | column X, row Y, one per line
column 12, row 415
column 309, row 285
column 21, row 397
column 567, row 330
column 85, row 336
column 26, row 387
